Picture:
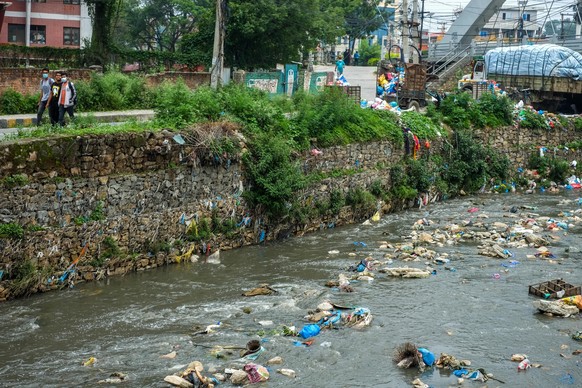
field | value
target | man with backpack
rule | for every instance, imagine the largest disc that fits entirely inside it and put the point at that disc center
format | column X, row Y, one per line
column 45, row 91
column 67, row 99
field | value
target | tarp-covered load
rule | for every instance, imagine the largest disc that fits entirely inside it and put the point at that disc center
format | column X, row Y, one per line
column 547, row 60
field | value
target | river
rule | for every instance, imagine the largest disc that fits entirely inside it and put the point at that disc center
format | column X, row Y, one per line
column 128, row 322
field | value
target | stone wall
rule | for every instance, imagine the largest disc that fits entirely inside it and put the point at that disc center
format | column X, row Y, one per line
column 519, row 144
column 147, row 191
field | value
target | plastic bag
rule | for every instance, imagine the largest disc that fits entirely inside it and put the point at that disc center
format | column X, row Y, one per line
column 575, row 300
column 309, row 331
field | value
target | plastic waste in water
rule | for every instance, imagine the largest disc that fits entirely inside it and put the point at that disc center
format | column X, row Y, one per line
column 524, row 365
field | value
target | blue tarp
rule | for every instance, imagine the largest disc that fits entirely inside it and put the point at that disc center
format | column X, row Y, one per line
column 547, row 60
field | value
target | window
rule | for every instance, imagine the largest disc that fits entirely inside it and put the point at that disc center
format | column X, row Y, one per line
column 16, row 33
column 503, row 16
column 38, row 34
column 71, row 2
column 71, row 36
column 526, row 17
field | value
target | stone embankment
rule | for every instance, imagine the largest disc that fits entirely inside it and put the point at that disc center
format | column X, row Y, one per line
column 142, row 200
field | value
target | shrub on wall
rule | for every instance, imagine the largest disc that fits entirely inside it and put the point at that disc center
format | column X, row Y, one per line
column 113, row 91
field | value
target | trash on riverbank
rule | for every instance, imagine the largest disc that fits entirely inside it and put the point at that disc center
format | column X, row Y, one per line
column 256, row 373
column 557, row 307
column 263, row 289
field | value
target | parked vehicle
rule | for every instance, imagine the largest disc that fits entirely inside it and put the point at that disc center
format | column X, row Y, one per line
column 547, row 76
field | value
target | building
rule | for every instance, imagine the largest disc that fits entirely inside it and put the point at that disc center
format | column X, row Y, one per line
column 55, row 23
column 507, row 24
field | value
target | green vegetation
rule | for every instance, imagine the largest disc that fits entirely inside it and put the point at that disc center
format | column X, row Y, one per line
column 552, row 168
column 461, row 111
column 11, row 230
column 25, row 278
column 15, row 180
column 532, row 120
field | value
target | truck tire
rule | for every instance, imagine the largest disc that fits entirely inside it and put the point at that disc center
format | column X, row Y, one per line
column 414, row 105
column 467, row 89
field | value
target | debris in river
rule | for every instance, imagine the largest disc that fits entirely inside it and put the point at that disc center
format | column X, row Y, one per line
column 287, row 372
column 114, row 378
column 263, row 289
column 256, row 373
column 406, row 272
column 555, row 308
column 90, row 362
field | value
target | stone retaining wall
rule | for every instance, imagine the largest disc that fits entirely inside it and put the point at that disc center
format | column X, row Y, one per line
column 143, row 190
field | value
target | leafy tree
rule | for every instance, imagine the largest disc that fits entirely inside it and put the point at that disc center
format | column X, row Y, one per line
column 362, row 18
column 159, row 25
column 261, row 33
column 104, row 14
column 368, row 52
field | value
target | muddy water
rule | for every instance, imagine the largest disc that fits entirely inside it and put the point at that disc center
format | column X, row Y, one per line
column 128, row 323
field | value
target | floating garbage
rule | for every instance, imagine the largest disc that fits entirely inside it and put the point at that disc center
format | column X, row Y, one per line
column 256, row 373
column 555, row 308
column 263, row 289
column 524, row 364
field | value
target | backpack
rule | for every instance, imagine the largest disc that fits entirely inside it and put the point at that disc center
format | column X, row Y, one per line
column 71, row 87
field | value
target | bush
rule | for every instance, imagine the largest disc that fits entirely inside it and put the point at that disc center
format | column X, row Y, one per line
column 421, row 125
column 12, row 102
column 496, row 110
column 113, row 91
column 532, row 120
column 333, row 119
column 175, row 105
column 275, row 176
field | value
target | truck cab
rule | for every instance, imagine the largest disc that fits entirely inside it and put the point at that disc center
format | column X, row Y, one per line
column 476, row 76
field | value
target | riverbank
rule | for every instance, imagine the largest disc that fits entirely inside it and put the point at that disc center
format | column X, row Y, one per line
column 143, row 200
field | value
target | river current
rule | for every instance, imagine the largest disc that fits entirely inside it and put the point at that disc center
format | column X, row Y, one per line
column 128, row 322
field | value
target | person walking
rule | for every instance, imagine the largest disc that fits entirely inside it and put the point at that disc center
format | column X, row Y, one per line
column 53, row 101
column 45, row 91
column 356, row 58
column 67, row 99
column 347, row 57
column 339, row 66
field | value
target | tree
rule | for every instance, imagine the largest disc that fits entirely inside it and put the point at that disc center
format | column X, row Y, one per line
column 261, row 33
column 159, row 25
column 103, row 16
column 362, row 18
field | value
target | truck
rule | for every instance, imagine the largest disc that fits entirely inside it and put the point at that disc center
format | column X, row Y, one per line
column 409, row 93
column 546, row 76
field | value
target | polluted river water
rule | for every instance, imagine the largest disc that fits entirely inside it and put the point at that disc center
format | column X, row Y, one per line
column 127, row 323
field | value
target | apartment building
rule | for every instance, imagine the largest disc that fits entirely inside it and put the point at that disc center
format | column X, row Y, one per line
column 55, row 23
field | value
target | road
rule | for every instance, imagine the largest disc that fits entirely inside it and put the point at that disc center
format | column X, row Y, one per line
column 363, row 76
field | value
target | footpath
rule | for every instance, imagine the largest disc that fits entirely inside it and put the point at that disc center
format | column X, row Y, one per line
column 10, row 123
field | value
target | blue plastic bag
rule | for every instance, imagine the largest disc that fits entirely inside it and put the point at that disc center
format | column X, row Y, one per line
column 427, row 357
column 309, row 331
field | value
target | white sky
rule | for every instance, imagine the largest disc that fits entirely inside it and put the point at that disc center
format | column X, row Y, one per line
column 442, row 10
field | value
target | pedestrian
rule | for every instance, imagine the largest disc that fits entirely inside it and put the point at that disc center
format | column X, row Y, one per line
column 356, row 58
column 53, row 101
column 67, row 99
column 347, row 57
column 45, row 91
column 339, row 65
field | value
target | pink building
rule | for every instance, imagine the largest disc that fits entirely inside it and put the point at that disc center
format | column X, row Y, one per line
column 37, row 23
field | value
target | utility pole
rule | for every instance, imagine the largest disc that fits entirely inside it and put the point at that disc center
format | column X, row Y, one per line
column 27, row 23
column 404, row 24
column 416, row 41
column 562, row 28
column 218, row 49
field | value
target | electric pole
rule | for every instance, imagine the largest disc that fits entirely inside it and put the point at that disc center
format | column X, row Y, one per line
column 218, row 49
column 414, row 32
column 404, row 25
